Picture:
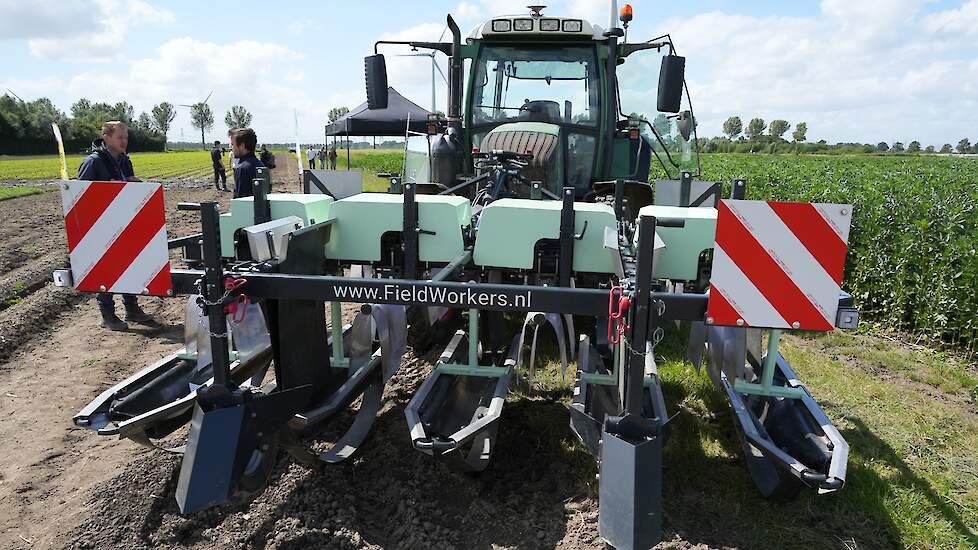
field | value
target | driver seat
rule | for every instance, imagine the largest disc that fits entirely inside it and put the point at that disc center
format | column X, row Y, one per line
column 516, row 139
column 540, row 110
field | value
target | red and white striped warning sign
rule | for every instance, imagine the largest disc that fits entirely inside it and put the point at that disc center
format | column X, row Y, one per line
column 117, row 237
column 778, row 264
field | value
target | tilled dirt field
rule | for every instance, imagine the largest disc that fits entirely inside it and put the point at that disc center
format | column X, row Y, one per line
column 62, row 486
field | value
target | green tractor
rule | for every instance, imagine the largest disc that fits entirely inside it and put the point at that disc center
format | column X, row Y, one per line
column 543, row 212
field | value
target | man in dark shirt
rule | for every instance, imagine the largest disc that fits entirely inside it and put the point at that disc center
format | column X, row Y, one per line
column 109, row 162
column 243, row 142
column 217, row 154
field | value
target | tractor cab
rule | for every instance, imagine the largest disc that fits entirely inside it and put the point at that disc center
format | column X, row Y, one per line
column 540, row 100
column 556, row 92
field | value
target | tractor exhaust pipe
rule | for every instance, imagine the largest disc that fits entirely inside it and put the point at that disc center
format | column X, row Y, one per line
column 455, row 74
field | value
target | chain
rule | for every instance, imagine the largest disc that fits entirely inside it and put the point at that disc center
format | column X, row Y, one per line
column 202, row 300
column 657, row 336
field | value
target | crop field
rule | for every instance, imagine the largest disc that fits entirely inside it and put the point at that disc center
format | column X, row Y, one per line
column 182, row 165
column 913, row 250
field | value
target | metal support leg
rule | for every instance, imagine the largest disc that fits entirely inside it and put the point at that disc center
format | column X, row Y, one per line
column 630, row 513
column 336, row 329
column 261, row 186
column 565, row 262
column 213, row 289
column 409, row 232
column 473, row 337
column 473, row 368
column 766, row 387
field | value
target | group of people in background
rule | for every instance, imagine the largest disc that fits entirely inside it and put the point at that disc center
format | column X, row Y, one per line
column 322, row 155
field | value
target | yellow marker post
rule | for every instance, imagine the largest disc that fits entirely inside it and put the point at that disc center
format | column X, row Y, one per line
column 61, row 150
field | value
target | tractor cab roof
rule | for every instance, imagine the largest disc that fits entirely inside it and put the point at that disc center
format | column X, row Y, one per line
column 535, row 26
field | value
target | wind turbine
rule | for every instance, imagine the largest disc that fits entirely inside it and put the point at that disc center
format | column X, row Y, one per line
column 11, row 92
column 434, row 67
column 192, row 106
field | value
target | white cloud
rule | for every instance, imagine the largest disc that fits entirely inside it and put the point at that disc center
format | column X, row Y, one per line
column 262, row 76
column 963, row 20
column 76, row 30
column 300, row 25
column 467, row 12
column 44, row 19
column 859, row 71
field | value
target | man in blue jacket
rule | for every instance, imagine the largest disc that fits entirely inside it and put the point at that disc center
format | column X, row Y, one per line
column 109, row 162
column 243, row 142
column 217, row 159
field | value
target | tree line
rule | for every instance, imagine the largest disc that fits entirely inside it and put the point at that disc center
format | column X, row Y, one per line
column 25, row 126
column 754, row 139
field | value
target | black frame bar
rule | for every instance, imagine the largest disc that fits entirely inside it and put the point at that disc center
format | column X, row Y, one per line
column 576, row 301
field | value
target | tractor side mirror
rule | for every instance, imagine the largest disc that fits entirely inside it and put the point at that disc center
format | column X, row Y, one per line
column 375, row 76
column 686, row 124
column 671, row 75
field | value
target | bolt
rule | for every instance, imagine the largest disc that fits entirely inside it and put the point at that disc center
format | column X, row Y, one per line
column 796, row 324
column 709, row 320
column 145, row 290
column 66, row 187
column 169, row 292
column 740, row 322
column 254, row 415
column 101, row 288
column 844, row 211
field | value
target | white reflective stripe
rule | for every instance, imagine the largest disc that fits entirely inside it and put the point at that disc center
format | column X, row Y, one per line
column 839, row 222
column 147, row 264
column 70, row 196
column 741, row 293
column 106, row 230
column 788, row 252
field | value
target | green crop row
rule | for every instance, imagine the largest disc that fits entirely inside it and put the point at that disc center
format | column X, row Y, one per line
column 913, row 248
column 147, row 165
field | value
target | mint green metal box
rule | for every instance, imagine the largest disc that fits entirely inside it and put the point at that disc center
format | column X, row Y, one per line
column 360, row 221
column 309, row 208
column 680, row 259
column 510, row 228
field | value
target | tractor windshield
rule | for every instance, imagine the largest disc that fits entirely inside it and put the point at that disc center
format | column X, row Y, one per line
column 556, row 85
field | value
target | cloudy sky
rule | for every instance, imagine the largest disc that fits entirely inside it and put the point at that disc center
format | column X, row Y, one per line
column 854, row 70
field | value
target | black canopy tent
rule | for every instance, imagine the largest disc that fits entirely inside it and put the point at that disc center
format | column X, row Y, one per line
column 391, row 121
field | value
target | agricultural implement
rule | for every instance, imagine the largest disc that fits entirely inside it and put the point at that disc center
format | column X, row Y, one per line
column 538, row 217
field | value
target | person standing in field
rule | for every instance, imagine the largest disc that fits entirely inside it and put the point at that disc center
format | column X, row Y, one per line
column 267, row 157
column 332, row 157
column 243, row 142
column 322, row 157
column 109, row 162
column 311, row 157
column 217, row 157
